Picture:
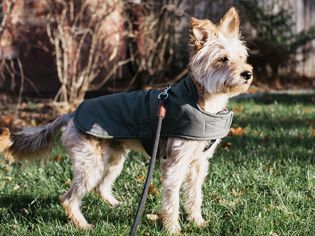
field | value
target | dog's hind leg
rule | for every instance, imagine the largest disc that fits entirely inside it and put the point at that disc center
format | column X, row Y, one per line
column 174, row 171
column 112, row 171
column 88, row 165
column 87, row 172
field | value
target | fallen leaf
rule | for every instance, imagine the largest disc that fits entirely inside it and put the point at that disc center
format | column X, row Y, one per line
column 226, row 145
column 238, row 109
column 236, row 192
column 58, row 158
column 16, row 187
column 9, row 178
column 153, row 190
column 140, row 178
column 237, row 131
column 312, row 132
column 7, row 119
column 152, row 218
column 307, row 110
column 14, row 226
column 68, row 181
column 227, row 203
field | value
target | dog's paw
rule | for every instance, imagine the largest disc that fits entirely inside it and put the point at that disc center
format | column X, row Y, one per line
column 84, row 226
column 88, row 227
column 173, row 229
column 202, row 223
column 111, row 200
column 114, row 203
column 170, row 222
column 199, row 221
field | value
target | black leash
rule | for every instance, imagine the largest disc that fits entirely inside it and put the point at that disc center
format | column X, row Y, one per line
column 161, row 114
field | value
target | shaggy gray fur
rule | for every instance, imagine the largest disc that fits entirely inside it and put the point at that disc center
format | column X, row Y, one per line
column 34, row 143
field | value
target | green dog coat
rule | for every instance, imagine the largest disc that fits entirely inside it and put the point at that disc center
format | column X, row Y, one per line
column 133, row 115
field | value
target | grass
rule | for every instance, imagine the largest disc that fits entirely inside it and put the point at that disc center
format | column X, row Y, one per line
column 263, row 183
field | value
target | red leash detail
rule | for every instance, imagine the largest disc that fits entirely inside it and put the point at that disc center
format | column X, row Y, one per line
column 161, row 110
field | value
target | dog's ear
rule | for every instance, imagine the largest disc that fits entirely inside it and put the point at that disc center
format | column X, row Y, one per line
column 230, row 23
column 200, row 31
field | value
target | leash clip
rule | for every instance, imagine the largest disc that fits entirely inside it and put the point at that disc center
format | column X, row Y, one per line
column 164, row 94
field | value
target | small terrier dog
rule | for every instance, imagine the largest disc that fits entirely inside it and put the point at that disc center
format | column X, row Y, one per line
column 219, row 70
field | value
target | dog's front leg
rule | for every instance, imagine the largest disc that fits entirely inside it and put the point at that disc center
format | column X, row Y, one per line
column 196, row 175
column 174, row 170
column 193, row 190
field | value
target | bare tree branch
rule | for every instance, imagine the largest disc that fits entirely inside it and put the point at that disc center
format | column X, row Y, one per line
column 9, row 7
column 75, row 30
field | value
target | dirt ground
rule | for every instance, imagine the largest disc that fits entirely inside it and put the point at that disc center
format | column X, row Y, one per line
column 30, row 112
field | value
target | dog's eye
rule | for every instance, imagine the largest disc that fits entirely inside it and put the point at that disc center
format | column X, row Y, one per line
column 224, row 59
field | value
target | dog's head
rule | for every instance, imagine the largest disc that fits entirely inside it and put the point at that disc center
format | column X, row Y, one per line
column 219, row 60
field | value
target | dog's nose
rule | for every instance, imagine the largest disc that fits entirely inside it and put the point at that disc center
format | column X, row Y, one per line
column 246, row 74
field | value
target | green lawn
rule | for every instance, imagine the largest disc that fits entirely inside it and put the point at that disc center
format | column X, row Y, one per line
column 263, row 183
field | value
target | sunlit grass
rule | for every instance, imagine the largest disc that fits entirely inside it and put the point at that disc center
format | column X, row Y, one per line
column 263, row 183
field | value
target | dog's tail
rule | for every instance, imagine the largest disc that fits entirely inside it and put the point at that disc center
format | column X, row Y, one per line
column 31, row 145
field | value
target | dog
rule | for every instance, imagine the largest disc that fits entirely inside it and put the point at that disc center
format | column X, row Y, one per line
column 218, row 69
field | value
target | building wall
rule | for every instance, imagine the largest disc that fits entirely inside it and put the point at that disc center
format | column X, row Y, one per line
column 27, row 37
column 303, row 15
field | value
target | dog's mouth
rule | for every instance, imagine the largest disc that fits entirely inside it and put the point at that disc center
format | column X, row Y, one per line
column 241, row 82
column 245, row 84
column 237, row 88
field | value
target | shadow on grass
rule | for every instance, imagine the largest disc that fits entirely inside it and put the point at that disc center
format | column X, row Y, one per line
column 266, row 123
column 30, row 207
column 297, row 148
column 280, row 98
